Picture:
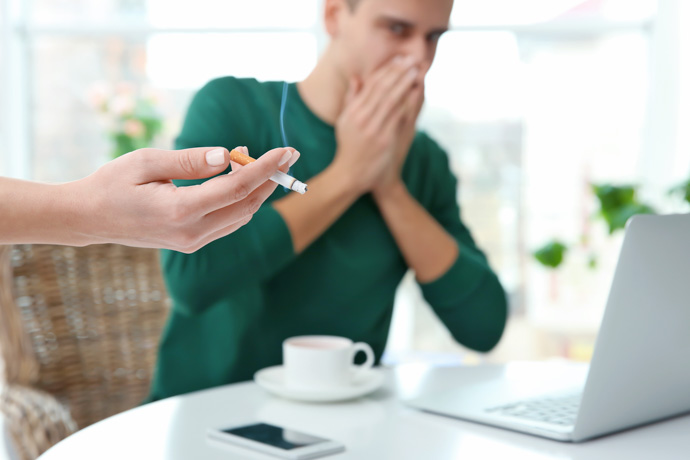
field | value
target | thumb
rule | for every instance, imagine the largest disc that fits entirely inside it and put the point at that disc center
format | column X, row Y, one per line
column 198, row 163
column 352, row 90
column 415, row 103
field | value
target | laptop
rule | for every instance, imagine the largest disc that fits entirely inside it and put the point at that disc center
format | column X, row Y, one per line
column 640, row 369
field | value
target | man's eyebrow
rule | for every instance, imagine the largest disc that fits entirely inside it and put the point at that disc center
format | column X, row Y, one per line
column 395, row 20
column 408, row 24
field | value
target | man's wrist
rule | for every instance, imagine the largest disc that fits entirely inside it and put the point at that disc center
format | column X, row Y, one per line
column 344, row 179
column 391, row 194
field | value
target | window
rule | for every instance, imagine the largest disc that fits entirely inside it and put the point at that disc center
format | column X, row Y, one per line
column 533, row 100
column 168, row 48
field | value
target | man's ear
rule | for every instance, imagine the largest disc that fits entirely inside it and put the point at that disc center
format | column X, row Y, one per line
column 333, row 15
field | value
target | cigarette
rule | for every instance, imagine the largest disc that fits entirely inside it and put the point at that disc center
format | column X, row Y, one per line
column 279, row 177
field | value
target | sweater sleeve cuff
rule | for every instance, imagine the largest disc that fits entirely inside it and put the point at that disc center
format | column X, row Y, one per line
column 274, row 244
column 459, row 282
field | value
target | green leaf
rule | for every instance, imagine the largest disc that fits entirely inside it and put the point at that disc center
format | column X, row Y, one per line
column 152, row 126
column 618, row 204
column 123, row 144
column 617, row 218
column 683, row 190
column 612, row 197
column 593, row 262
column 552, row 254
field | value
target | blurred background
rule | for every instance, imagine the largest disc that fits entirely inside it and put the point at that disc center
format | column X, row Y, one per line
column 536, row 102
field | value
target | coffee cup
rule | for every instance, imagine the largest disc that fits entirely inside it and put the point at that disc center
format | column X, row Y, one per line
column 321, row 362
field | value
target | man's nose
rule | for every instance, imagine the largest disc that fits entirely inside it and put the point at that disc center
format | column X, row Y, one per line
column 421, row 51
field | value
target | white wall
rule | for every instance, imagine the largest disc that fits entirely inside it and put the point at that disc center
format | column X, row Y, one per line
column 683, row 139
column 666, row 148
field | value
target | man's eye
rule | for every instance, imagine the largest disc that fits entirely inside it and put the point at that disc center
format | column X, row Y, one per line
column 397, row 29
column 435, row 36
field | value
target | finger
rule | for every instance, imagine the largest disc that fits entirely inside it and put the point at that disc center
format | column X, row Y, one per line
column 243, row 150
column 222, row 217
column 363, row 90
column 394, row 121
column 400, row 94
column 413, row 105
column 418, row 98
column 295, row 157
column 392, row 70
column 355, row 86
column 389, row 90
column 237, row 212
column 350, row 93
column 394, row 65
column 150, row 165
column 227, row 189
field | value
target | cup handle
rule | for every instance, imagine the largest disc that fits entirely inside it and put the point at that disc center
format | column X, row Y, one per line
column 356, row 348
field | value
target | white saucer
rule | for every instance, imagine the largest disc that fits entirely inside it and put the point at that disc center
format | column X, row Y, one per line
column 272, row 380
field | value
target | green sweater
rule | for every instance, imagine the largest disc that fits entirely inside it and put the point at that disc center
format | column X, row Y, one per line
column 238, row 298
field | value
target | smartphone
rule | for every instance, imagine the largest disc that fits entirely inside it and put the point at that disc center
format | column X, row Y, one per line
column 278, row 441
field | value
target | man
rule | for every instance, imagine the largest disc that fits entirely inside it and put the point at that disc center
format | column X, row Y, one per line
column 381, row 201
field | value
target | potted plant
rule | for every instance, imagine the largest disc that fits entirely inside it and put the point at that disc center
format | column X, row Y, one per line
column 131, row 114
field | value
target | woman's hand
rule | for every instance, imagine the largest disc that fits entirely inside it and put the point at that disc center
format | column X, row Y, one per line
column 132, row 201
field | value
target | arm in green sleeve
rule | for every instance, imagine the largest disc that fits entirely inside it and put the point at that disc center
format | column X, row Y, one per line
column 251, row 254
column 468, row 298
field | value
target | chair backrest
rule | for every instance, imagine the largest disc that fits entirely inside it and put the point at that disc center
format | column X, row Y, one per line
column 82, row 324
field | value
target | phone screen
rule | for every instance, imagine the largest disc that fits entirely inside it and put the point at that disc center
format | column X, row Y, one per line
column 275, row 436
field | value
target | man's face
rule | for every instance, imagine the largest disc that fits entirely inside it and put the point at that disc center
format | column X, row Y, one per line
column 378, row 30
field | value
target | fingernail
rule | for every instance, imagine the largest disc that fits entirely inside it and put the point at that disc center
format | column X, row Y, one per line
column 398, row 59
column 285, row 158
column 295, row 157
column 412, row 73
column 215, row 157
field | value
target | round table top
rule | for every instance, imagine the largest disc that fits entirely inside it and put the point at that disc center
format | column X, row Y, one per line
column 377, row 426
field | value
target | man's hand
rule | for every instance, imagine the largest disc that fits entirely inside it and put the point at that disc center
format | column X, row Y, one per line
column 132, row 199
column 369, row 128
column 391, row 176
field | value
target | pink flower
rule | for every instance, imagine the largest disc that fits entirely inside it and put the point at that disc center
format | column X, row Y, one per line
column 152, row 96
column 97, row 95
column 134, row 128
column 125, row 88
column 122, row 105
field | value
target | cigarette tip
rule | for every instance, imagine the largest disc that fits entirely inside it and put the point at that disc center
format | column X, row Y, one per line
column 300, row 187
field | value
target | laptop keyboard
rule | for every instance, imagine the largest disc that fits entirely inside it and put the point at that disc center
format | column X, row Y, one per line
column 555, row 410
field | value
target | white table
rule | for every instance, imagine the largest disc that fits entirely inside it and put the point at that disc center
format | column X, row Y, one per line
column 376, row 427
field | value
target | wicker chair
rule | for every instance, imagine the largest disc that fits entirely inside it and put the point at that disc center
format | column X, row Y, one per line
column 79, row 331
